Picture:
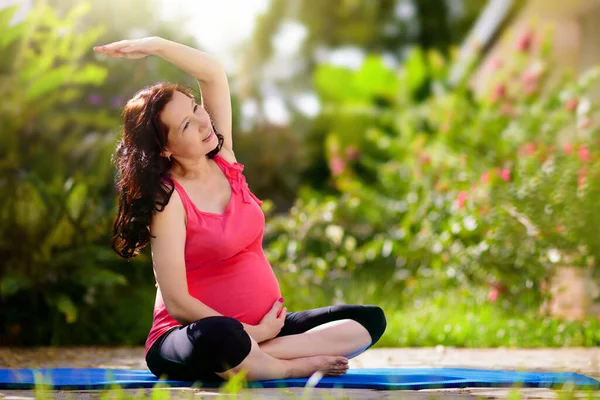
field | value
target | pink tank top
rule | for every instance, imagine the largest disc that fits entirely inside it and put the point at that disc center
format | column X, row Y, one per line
column 226, row 267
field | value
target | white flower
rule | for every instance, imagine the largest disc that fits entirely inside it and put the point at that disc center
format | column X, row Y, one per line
column 583, row 108
column 553, row 255
column 470, row 223
column 335, row 234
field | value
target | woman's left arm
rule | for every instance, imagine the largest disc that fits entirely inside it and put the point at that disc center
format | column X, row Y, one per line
column 211, row 76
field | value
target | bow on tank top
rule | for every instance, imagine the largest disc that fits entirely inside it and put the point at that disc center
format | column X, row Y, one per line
column 226, row 267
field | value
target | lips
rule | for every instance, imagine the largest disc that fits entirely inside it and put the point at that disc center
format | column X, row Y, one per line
column 209, row 136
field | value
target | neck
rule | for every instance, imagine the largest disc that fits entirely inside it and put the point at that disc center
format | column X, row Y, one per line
column 191, row 168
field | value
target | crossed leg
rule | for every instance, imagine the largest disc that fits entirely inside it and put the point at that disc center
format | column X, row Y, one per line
column 313, row 340
column 346, row 330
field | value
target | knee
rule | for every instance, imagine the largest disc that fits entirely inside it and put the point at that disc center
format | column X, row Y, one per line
column 227, row 344
column 373, row 319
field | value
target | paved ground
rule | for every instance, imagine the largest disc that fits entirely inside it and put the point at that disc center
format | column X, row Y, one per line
column 585, row 361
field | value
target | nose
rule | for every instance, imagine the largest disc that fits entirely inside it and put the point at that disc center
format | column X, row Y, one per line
column 201, row 123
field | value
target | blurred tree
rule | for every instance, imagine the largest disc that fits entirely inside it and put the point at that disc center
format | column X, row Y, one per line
column 126, row 20
column 60, row 282
column 386, row 27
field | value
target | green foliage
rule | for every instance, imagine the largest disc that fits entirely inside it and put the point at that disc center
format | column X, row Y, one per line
column 375, row 27
column 462, row 318
column 431, row 182
column 60, row 117
column 53, row 220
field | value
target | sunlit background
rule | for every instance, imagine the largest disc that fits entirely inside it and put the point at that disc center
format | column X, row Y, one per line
column 436, row 157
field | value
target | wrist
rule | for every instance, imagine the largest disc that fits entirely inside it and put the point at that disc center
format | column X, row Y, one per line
column 255, row 331
column 161, row 45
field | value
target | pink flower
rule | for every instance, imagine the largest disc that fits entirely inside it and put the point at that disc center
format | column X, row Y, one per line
column 584, row 154
column 560, row 228
column 485, row 177
column 568, row 147
column 499, row 92
column 493, row 295
column 461, row 199
column 336, row 165
column 571, row 104
column 505, row 175
column 530, row 77
column 525, row 40
column 495, row 63
column 352, row 152
column 527, row 149
column 424, row 159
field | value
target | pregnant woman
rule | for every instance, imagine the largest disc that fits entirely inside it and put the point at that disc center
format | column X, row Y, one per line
column 218, row 307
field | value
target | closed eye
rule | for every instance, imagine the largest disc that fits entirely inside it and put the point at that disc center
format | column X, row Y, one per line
column 187, row 123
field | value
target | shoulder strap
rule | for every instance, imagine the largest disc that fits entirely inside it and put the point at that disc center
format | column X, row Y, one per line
column 185, row 199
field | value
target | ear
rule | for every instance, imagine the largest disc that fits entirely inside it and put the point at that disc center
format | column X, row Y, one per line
column 166, row 154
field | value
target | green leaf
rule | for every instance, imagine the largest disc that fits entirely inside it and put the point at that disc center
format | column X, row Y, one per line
column 90, row 74
column 49, row 82
column 437, row 64
column 334, row 83
column 375, row 78
column 62, row 234
column 6, row 15
column 77, row 199
column 8, row 34
column 12, row 283
column 29, row 208
column 80, row 9
column 38, row 66
column 66, row 306
column 415, row 70
column 100, row 277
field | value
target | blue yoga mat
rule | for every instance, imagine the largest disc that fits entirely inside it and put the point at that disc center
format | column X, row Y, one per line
column 361, row 378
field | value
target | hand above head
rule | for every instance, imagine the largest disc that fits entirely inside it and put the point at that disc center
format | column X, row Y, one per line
column 134, row 48
column 273, row 320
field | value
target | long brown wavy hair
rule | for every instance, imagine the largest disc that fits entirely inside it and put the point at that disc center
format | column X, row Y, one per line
column 143, row 182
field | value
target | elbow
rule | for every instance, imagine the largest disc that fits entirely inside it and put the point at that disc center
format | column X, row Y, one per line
column 216, row 75
column 178, row 311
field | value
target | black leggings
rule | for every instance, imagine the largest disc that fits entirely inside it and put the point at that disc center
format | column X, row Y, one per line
column 216, row 344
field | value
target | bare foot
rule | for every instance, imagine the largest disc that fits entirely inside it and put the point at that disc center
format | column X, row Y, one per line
column 328, row 365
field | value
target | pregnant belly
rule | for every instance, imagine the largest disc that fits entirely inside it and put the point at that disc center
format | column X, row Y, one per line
column 243, row 287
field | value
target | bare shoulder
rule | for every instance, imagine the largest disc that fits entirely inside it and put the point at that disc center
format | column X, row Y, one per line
column 171, row 216
column 227, row 155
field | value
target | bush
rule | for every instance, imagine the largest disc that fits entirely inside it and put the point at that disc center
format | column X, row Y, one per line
column 54, row 181
column 431, row 180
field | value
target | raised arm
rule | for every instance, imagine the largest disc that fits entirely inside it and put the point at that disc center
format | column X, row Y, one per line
column 207, row 70
column 212, row 79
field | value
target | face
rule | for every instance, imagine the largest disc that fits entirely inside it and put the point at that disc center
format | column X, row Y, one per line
column 190, row 131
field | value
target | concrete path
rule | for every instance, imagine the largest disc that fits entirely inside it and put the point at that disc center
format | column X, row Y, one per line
column 585, row 361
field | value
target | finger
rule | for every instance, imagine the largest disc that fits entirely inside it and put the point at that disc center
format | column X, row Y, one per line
column 282, row 313
column 127, row 49
column 116, row 45
column 277, row 304
column 114, row 55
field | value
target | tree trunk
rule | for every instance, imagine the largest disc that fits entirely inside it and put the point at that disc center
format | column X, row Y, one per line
column 571, row 291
